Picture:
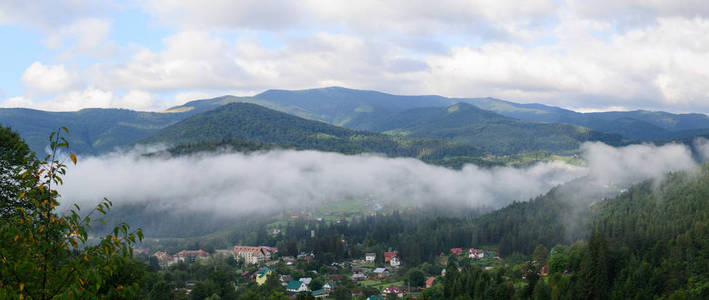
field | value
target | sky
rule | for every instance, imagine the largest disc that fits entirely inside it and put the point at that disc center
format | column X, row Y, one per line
column 150, row 55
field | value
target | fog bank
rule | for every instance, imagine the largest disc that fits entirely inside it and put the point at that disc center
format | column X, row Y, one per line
column 236, row 183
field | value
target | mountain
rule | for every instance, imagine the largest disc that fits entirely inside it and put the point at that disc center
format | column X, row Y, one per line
column 361, row 109
column 96, row 131
column 92, row 131
column 468, row 124
column 257, row 124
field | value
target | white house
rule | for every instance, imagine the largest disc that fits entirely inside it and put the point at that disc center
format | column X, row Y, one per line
column 369, row 257
column 394, row 261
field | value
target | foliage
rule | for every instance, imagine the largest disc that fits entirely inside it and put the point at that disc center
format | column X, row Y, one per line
column 15, row 155
column 47, row 255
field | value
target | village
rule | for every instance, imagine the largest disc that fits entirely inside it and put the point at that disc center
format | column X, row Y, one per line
column 373, row 276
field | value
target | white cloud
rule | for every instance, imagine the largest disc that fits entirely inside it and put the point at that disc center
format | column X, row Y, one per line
column 48, row 78
column 85, row 36
column 89, row 97
column 571, row 53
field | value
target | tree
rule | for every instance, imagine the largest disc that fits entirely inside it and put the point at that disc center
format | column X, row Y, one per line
column 45, row 255
column 15, row 156
column 161, row 291
column 416, row 277
column 540, row 255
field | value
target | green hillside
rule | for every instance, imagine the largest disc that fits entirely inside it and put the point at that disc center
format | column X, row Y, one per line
column 93, row 131
column 244, row 122
column 490, row 131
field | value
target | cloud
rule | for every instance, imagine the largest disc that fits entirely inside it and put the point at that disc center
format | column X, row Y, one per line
column 86, row 37
column 49, row 15
column 89, row 97
column 233, row 184
column 49, row 78
column 589, row 54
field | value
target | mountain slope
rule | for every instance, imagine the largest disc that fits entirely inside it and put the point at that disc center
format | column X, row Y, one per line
column 492, row 132
column 256, row 124
column 92, row 131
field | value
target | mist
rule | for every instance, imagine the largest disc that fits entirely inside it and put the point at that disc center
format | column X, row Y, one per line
column 232, row 184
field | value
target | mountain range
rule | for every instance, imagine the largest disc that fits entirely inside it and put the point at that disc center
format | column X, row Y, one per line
column 495, row 126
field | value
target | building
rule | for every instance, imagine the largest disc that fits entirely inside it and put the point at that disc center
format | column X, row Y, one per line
column 306, row 280
column 358, row 276
column 163, row 258
column 476, row 253
column 189, row 256
column 296, row 287
column 393, row 290
column 395, row 262
column 389, row 255
column 429, row 281
column 253, row 255
column 320, row 294
column 370, row 257
column 262, row 275
column 457, row 251
column 381, row 272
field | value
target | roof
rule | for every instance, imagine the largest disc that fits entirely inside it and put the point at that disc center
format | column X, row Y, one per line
column 457, row 250
column 305, row 280
column 475, row 251
column 370, row 254
column 389, row 255
column 199, row 252
column 318, row 292
column 379, row 270
column 392, row 290
column 263, row 271
column 430, row 280
column 294, row 285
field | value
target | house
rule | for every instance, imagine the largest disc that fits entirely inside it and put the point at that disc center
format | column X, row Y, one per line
column 443, row 272
column 369, row 257
column 457, row 251
column 329, row 286
column 381, row 272
column 389, row 255
column 393, row 290
column 358, row 276
column 296, row 287
column 306, row 280
column 429, row 281
column 476, row 253
column 544, row 271
column 262, row 275
column 395, row 262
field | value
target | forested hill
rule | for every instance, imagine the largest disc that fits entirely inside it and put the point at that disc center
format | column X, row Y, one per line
column 93, row 131
column 490, row 131
column 652, row 240
column 245, row 122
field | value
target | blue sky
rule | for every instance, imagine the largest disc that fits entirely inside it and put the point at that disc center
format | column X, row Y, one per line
column 153, row 54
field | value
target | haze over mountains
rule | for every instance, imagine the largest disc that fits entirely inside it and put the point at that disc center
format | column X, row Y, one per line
column 494, row 126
